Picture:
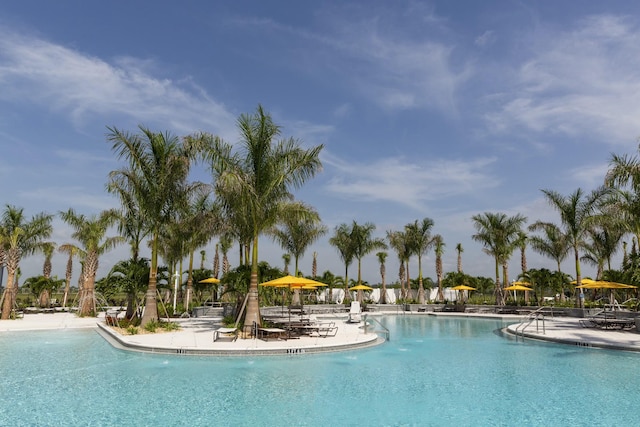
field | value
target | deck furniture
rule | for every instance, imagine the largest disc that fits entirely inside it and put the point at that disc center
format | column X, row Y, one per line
column 225, row 334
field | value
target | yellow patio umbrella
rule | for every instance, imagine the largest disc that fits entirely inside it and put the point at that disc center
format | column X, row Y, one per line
column 602, row 284
column 518, row 287
column 584, row 281
column 463, row 288
column 211, row 280
column 361, row 288
column 292, row 282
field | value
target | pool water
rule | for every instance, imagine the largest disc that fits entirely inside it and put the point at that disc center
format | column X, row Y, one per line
column 433, row 372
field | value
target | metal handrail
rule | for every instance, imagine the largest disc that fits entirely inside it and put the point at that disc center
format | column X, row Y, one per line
column 385, row 331
column 536, row 315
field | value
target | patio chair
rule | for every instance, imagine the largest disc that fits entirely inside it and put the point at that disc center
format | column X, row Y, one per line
column 225, row 334
column 355, row 312
column 327, row 330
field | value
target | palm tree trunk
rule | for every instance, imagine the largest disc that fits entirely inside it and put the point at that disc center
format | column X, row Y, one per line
column 295, row 299
column 187, row 296
column 150, row 302
column 498, row 291
column 580, row 299
column 420, row 286
column 88, row 301
column 253, row 305
column 9, row 295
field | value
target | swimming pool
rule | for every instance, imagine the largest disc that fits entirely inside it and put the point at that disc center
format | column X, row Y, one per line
column 433, row 372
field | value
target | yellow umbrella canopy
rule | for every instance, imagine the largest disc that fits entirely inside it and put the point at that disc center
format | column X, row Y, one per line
column 463, row 288
column 585, row 281
column 210, row 280
column 517, row 288
column 292, row 281
column 361, row 288
column 602, row 284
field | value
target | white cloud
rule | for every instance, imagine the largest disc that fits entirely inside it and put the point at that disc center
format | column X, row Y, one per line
column 399, row 180
column 81, row 86
column 64, row 196
column 485, row 39
column 580, row 82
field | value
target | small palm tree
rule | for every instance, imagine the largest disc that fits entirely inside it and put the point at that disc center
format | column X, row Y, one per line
column 47, row 249
column 399, row 241
column 19, row 237
column 459, row 250
column 287, row 260
column 90, row 232
column 498, row 234
column 575, row 211
column 438, row 245
column 72, row 251
column 419, row 235
column 382, row 256
column 342, row 242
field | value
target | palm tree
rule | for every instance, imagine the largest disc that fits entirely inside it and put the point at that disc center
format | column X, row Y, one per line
column 314, row 265
column 498, row 234
column 552, row 244
column 438, row 245
column 203, row 255
column 47, row 249
column 287, row 260
column 71, row 250
column 130, row 276
column 341, row 240
column 398, row 240
column 420, row 241
column 216, row 261
column 298, row 229
column 601, row 246
column 20, row 237
column 459, row 250
column 575, row 212
column 382, row 257
column 154, row 183
column 255, row 184
column 90, row 232
column 200, row 220
column 363, row 243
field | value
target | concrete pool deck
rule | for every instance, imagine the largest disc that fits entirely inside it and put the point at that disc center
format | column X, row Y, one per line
column 196, row 335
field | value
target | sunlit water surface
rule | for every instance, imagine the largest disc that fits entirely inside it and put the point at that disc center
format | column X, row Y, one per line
column 433, row 372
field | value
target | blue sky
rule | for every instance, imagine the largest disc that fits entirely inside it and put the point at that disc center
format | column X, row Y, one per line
column 432, row 109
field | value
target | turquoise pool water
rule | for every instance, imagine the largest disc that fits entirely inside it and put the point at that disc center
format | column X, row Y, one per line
column 433, row 372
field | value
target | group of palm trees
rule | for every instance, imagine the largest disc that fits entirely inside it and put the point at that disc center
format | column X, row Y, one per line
column 592, row 226
column 251, row 195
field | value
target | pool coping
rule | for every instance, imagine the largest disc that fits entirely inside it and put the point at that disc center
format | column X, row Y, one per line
column 569, row 331
column 283, row 348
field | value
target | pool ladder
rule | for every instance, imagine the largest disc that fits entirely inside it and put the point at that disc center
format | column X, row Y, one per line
column 384, row 330
column 537, row 316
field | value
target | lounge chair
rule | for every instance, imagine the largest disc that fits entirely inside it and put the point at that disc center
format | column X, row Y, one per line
column 225, row 334
column 324, row 330
column 355, row 313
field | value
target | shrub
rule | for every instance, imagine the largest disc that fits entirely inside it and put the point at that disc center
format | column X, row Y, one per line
column 151, row 326
column 170, row 326
column 132, row 330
